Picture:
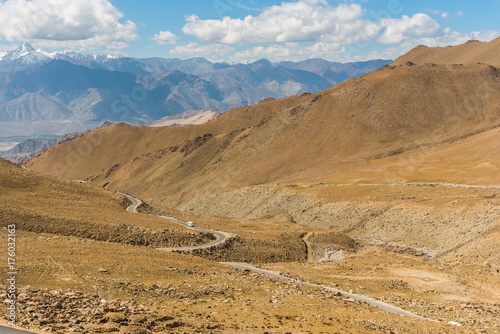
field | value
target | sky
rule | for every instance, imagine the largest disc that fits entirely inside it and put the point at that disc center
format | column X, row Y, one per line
column 246, row 30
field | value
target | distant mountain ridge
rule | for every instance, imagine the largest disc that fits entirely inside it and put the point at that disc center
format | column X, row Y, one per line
column 47, row 88
column 30, row 146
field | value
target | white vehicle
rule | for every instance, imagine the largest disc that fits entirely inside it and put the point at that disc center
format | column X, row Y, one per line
column 190, row 224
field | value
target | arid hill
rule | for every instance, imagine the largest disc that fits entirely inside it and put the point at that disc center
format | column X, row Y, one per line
column 471, row 52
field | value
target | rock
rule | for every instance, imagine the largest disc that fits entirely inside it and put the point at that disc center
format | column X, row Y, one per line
column 138, row 319
column 115, row 317
column 174, row 324
column 164, row 318
column 133, row 330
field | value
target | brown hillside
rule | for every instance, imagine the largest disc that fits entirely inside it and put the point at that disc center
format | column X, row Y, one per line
column 311, row 137
column 470, row 52
column 42, row 204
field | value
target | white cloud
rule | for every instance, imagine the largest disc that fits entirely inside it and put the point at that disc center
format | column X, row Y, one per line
column 197, row 50
column 164, row 38
column 455, row 38
column 83, row 24
column 302, row 21
column 331, row 28
column 398, row 30
column 459, row 13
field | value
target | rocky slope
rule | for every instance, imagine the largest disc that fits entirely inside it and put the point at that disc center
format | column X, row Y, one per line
column 41, row 204
column 308, row 137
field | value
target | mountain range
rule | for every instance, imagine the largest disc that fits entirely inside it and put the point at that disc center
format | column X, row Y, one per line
column 60, row 92
column 360, row 157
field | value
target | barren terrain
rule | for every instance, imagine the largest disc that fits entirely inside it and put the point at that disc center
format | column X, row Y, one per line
column 387, row 185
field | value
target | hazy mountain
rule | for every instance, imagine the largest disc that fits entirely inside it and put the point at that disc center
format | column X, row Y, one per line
column 49, row 88
column 335, row 72
column 248, row 84
column 30, row 146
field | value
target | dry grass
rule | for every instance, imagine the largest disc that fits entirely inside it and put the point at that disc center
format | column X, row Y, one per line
column 406, row 123
column 200, row 292
column 336, row 239
column 298, row 139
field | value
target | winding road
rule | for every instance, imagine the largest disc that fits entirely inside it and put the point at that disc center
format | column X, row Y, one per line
column 135, row 203
column 222, row 236
column 411, row 184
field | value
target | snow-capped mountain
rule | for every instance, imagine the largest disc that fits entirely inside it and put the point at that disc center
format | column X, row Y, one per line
column 26, row 54
column 74, row 56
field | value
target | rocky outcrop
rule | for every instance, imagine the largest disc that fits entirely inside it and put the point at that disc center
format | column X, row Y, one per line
column 64, row 311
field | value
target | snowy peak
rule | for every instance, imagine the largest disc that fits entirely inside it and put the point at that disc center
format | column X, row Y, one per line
column 21, row 51
column 26, row 48
column 26, row 54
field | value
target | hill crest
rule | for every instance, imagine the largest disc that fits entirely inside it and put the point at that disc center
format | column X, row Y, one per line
column 470, row 52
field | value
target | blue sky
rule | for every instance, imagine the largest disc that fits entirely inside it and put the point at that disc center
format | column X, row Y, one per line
column 246, row 30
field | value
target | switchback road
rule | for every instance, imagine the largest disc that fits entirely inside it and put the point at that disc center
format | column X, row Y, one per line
column 221, row 236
